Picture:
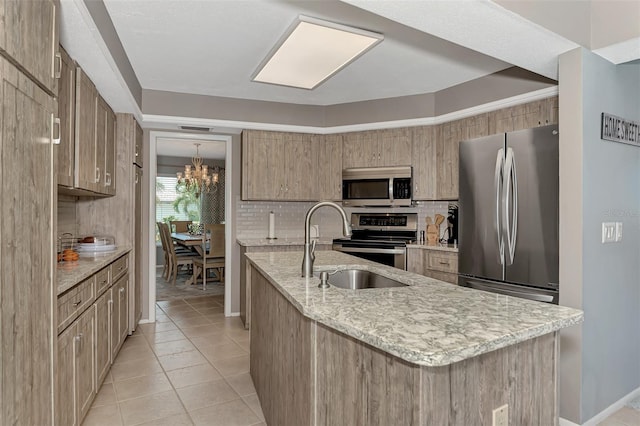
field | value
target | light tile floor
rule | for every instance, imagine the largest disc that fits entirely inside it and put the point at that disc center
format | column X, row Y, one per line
column 189, row 368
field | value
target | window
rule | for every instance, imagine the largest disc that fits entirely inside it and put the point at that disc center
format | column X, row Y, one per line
column 174, row 205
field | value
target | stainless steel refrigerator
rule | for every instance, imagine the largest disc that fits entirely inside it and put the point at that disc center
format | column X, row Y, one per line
column 508, row 214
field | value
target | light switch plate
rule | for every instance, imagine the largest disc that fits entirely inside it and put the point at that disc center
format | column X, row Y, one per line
column 608, row 232
column 501, row 416
column 618, row 232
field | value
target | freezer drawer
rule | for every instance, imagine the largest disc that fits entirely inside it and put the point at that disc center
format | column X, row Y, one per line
column 524, row 292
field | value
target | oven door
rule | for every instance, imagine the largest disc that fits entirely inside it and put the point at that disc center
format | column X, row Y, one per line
column 390, row 256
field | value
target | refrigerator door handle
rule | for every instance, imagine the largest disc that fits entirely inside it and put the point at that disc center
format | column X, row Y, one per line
column 510, row 198
column 499, row 186
column 530, row 295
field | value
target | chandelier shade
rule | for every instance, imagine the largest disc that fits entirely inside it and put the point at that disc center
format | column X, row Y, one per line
column 196, row 176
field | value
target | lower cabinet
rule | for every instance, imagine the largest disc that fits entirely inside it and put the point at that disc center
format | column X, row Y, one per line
column 438, row 264
column 89, row 343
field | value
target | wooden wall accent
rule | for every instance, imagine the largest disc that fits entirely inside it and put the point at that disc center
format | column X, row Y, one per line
column 281, row 357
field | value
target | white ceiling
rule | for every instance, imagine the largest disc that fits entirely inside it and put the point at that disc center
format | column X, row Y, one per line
column 214, row 47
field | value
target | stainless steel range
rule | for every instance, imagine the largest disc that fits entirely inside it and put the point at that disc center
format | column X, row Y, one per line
column 380, row 237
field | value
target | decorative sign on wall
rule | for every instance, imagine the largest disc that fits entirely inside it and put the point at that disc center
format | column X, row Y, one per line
column 618, row 129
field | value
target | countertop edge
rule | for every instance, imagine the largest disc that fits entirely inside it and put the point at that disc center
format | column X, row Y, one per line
column 85, row 267
column 278, row 242
column 434, row 359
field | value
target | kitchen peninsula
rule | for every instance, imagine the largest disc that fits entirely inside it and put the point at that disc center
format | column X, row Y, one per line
column 429, row 353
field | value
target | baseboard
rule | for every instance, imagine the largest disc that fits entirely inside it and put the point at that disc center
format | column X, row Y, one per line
column 595, row 420
column 144, row 321
column 234, row 314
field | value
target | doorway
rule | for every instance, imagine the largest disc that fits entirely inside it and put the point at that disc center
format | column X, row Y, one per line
column 180, row 147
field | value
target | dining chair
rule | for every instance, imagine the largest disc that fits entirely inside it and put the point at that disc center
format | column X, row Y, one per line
column 180, row 225
column 213, row 254
column 165, row 249
column 176, row 258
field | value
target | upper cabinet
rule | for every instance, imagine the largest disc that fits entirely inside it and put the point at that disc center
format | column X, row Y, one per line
column 377, row 148
column 87, row 151
column 65, row 151
column 295, row 166
column 29, row 35
column 290, row 166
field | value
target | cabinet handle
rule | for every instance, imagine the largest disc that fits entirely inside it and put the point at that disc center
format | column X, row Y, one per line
column 137, row 178
column 55, row 124
column 98, row 174
column 107, row 179
column 122, row 290
column 57, row 69
column 444, row 263
column 79, row 342
column 77, row 303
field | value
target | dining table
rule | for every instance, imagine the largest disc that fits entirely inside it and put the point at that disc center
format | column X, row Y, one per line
column 193, row 242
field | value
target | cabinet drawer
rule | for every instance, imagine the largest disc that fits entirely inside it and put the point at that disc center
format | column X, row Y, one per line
column 103, row 280
column 119, row 268
column 443, row 276
column 442, row 261
column 74, row 301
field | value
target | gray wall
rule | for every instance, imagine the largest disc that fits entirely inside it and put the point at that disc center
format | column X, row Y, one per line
column 609, row 342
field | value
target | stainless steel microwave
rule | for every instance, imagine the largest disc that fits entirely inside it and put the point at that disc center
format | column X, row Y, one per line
column 377, row 186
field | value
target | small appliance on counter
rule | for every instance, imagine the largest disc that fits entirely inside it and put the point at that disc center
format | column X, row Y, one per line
column 452, row 225
column 95, row 245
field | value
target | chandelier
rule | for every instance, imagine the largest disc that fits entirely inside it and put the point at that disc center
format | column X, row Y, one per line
column 196, row 177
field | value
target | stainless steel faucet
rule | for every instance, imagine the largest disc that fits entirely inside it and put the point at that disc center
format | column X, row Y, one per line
column 309, row 247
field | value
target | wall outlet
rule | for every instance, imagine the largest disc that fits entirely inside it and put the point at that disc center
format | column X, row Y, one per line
column 501, row 416
column 609, row 232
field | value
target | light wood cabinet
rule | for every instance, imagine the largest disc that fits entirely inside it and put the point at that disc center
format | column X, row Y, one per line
column 66, row 111
column 86, row 104
column 105, row 148
column 377, row 148
column 119, row 324
column 138, row 155
column 29, row 36
column 438, row 264
column 103, row 335
column 91, row 331
column 85, row 362
column 75, row 366
column 423, row 162
column 284, row 166
column 327, row 164
column 26, row 265
column 66, row 379
column 525, row 116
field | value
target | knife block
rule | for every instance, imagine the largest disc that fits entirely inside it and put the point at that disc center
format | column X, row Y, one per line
column 433, row 232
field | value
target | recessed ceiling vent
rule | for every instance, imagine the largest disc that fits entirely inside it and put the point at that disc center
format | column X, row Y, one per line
column 196, row 128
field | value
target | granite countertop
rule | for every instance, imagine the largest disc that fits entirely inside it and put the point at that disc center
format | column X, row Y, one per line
column 440, row 247
column 429, row 323
column 265, row 242
column 68, row 274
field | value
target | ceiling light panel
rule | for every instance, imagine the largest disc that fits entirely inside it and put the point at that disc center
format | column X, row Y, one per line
column 313, row 51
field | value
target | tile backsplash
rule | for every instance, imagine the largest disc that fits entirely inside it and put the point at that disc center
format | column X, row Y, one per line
column 252, row 217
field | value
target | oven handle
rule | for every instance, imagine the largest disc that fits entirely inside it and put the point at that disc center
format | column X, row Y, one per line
column 368, row 250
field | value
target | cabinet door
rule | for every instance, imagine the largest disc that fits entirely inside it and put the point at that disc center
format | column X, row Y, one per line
column 138, row 254
column 328, row 166
column 447, row 158
column 263, row 165
column 26, row 232
column 394, row 147
column 298, row 167
column 103, row 336
column 29, row 37
column 66, row 378
column 423, row 161
column 360, row 149
column 123, row 309
column 101, row 144
column 85, row 132
column 110, row 153
column 415, row 260
column 85, row 361
column 66, row 112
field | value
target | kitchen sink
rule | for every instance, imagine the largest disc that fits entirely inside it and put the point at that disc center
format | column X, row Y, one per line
column 357, row 279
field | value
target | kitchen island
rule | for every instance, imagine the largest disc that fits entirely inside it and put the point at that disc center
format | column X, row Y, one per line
column 429, row 353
